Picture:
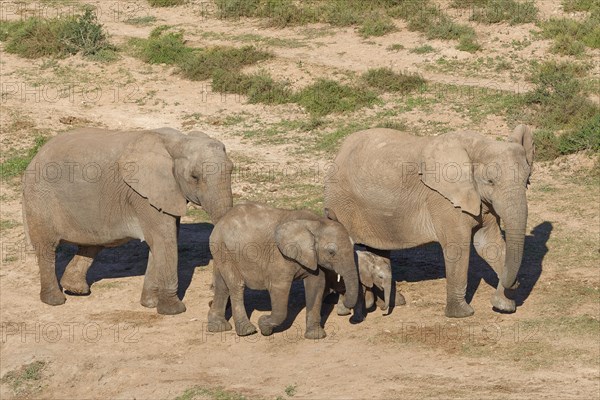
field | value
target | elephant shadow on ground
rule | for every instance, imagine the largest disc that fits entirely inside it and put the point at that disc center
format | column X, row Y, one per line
column 427, row 262
column 131, row 258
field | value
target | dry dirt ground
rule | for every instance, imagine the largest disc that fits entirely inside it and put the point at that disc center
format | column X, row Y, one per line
column 106, row 345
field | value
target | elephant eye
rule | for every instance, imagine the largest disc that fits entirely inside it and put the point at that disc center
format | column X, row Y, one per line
column 490, row 182
column 195, row 177
column 331, row 249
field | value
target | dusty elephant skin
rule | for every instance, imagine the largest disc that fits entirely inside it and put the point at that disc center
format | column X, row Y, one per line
column 262, row 247
column 394, row 190
column 375, row 272
column 97, row 188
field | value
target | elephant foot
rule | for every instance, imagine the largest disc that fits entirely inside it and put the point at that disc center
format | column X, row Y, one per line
column 53, row 298
column 170, row 306
column 218, row 325
column 400, row 300
column 459, row 310
column 342, row 310
column 315, row 333
column 149, row 299
column 245, row 328
column 503, row 304
column 265, row 326
column 74, row 285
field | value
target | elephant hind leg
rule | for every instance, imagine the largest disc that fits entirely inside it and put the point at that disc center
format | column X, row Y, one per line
column 490, row 246
column 74, row 277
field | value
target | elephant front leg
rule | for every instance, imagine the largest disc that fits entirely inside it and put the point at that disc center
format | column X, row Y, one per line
column 279, row 293
column 243, row 326
column 456, row 258
column 216, row 314
column 150, row 291
column 74, row 278
column 163, row 273
column 314, row 288
column 50, row 292
column 490, row 246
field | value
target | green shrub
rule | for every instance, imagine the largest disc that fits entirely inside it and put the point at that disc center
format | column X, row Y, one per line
column 387, row 80
column 559, row 95
column 327, row 96
column 546, row 145
column 162, row 47
column 17, row 163
column 585, row 137
column 468, row 43
column 36, row 37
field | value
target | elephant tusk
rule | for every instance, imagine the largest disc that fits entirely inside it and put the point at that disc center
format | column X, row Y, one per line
column 339, row 277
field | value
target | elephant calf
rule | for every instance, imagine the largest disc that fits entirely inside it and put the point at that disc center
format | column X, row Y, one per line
column 97, row 188
column 375, row 272
column 262, row 247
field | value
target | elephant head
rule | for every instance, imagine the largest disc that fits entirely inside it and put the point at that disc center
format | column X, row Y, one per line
column 170, row 169
column 470, row 170
column 322, row 243
column 375, row 271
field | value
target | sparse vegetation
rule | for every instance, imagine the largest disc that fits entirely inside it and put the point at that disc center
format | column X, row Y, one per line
column 141, row 21
column 15, row 164
column 204, row 63
column 376, row 26
column 495, row 11
column 373, row 16
column 423, row 49
column 23, row 380
column 570, row 35
column 36, row 37
column 166, row 3
column 197, row 393
column 387, row 80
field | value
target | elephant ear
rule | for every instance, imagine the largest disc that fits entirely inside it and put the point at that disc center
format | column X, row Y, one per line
column 365, row 267
column 447, row 168
column 147, row 167
column 522, row 135
column 295, row 240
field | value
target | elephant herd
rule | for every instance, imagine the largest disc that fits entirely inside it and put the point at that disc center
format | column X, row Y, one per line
column 97, row 188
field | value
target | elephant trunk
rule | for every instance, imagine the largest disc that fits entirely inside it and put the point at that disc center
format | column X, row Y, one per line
column 387, row 293
column 351, row 282
column 217, row 206
column 513, row 212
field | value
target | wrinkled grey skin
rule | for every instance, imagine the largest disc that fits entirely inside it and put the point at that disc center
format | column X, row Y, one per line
column 262, row 247
column 374, row 272
column 393, row 190
column 97, row 188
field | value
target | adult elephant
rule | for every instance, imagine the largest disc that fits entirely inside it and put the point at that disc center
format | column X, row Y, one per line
column 97, row 188
column 392, row 190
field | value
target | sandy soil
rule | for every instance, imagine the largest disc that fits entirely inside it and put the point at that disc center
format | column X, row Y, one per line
column 106, row 345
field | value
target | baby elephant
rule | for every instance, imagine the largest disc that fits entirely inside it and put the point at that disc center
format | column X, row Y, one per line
column 262, row 247
column 375, row 272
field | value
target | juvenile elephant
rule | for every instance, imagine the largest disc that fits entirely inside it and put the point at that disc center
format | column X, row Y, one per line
column 97, row 188
column 262, row 247
column 393, row 190
column 374, row 272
